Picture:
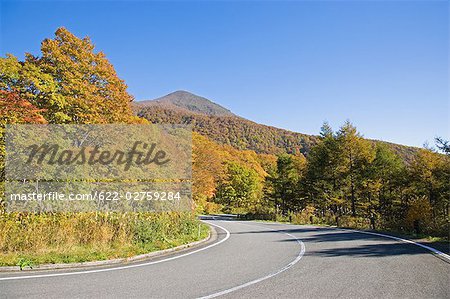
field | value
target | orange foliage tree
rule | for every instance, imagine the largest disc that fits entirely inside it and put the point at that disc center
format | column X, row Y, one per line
column 72, row 82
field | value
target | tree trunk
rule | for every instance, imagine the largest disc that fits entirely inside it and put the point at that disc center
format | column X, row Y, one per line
column 353, row 200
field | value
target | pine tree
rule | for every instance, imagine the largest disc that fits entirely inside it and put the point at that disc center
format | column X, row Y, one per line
column 322, row 182
column 357, row 155
column 286, row 195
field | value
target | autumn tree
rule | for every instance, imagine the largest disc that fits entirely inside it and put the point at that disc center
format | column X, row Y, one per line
column 387, row 175
column 14, row 110
column 422, row 172
column 357, row 155
column 72, row 82
column 338, row 176
column 208, row 169
column 430, row 178
column 32, row 84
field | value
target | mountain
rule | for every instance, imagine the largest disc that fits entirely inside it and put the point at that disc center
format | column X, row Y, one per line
column 220, row 125
column 232, row 130
column 188, row 102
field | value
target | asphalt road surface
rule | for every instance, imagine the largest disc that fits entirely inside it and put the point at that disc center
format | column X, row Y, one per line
column 257, row 260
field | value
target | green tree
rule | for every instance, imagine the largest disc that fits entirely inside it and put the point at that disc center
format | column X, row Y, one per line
column 357, row 155
column 338, row 171
column 386, row 179
column 285, row 183
column 240, row 190
column 322, row 182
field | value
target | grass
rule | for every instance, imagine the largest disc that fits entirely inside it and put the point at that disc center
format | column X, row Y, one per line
column 33, row 239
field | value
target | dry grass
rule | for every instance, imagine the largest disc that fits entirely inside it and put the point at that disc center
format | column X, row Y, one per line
column 78, row 237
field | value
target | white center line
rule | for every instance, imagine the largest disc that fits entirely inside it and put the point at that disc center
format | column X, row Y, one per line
column 299, row 256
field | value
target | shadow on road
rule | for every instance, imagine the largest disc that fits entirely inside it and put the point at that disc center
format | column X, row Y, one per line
column 370, row 250
column 370, row 245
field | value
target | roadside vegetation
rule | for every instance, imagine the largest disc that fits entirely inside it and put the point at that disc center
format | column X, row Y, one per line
column 345, row 181
column 32, row 239
column 336, row 178
column 69, row 83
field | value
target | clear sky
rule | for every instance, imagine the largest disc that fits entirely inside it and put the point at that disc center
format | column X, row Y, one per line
column 382, row 64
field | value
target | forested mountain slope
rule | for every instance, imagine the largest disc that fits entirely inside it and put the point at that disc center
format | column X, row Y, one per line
column 227, row 128
column 232, row 130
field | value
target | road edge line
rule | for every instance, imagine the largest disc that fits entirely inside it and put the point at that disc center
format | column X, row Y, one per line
column 122, row 267
column 110, row 262
column 433, row 250
column 437, row 253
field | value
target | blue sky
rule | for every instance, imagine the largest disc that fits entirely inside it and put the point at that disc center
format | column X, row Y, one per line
column 382, row 64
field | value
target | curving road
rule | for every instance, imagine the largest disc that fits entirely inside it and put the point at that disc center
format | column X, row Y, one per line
column 256, row 259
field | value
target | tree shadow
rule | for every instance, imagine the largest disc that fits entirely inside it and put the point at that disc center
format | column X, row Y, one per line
column 321, row 235
column 370, row 250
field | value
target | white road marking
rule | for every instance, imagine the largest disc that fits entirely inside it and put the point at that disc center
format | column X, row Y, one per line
column 299, row 256
column 302, row 251
column 122, row 267
column 435, row 251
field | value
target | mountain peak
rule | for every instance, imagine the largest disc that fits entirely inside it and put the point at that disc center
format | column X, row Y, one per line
column 182, row 93
column 185, row 100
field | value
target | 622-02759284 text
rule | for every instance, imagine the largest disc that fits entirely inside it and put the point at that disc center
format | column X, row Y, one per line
column 98, row 195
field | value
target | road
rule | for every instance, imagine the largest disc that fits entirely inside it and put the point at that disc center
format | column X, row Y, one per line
column 256, row 259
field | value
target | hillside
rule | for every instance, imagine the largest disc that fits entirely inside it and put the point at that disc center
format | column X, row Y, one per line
column 235, row 131
column 229, row 129
column 185, row 101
